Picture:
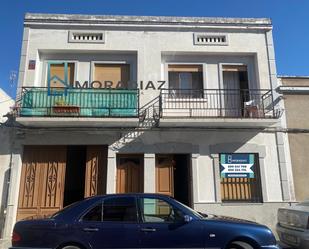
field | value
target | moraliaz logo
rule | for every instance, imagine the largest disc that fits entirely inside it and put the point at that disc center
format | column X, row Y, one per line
column 58, row 85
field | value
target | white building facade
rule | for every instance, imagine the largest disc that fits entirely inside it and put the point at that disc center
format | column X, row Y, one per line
column 174, row 105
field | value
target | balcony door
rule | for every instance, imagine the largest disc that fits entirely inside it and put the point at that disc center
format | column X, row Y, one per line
column 112, row 75
column 185, row 81
column 235, row 90
column 60, row 74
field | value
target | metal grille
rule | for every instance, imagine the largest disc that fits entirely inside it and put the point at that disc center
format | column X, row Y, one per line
column 229, row 103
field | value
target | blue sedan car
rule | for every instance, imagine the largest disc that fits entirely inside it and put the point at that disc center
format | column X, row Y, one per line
column 138, row 221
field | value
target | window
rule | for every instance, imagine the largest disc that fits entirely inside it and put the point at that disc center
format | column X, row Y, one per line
column 95, row 214
column 60, row 74
column 186, row 80
column 159, row 211
column 240, row 177
column 120, row 209
column 112, row 75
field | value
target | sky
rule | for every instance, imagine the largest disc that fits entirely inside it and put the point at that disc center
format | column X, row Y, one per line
column 290, row 20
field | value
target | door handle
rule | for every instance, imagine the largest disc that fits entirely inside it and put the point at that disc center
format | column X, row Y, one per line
column 148, row 229
column 90, row 229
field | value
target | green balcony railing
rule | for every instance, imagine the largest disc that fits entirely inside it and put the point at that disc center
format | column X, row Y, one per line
column 37, row 102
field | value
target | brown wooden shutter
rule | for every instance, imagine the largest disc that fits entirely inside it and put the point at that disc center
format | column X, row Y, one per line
column 165, row 175
column 234, row 68
column 185, row 68
column 113, row 73
column 95, row 176
column 42, row 181
column 58, row 70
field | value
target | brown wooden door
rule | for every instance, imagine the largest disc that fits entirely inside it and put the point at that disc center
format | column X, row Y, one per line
column 95, row 177
column 165, row 175
column 130, row 176
column 42, row 181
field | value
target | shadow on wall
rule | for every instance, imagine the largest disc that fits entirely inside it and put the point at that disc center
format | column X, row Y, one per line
column 4, row 199
column 5, row 161
column 187, row 141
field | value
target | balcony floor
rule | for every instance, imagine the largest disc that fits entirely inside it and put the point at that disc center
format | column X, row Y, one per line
column 219, row 122
column 77, row 122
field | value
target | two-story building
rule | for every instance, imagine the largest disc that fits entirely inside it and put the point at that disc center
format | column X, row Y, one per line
column 295, row 91
column 182, row 106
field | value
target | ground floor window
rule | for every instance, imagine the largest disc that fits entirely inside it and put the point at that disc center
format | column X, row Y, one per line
column 240, row 177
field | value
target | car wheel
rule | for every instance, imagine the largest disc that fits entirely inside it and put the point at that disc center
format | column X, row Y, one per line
column 70, row 247
column 240, row 245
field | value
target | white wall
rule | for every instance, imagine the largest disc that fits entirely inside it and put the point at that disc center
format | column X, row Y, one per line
column 149, row 50
column 5, row 147
column 5, row 103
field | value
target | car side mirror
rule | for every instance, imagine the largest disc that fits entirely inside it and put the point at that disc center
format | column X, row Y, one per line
column 187, row 218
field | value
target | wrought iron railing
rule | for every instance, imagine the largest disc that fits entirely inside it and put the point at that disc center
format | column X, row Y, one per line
column 71, row 102
column 214, row 103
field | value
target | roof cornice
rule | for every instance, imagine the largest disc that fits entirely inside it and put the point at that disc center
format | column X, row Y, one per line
column 166, row 21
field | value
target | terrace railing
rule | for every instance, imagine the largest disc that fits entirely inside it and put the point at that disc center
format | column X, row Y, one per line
column 215, row 103
column 72, row 102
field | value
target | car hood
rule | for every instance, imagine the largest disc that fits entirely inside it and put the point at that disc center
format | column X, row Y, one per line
column 229, row 219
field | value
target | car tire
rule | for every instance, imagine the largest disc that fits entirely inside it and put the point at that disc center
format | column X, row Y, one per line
column 70, row 247
column 240, row 245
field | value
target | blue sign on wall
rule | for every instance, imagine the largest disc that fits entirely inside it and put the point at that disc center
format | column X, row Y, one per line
column 237, row 165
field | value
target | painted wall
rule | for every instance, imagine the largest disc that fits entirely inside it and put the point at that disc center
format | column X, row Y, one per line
column 297, row 115
column 5, row 150
column 149, row 52
column 5, row 103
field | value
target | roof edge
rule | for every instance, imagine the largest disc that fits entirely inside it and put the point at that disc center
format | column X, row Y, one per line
column 126, row 19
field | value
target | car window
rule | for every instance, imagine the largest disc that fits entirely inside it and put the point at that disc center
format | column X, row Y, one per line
column 159, row 211
column 95, row 214
column 65, row 209
column 120, row 209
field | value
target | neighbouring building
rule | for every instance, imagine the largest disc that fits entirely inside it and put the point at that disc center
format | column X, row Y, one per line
column 295, row 91
column 182, row 106
column 6, row 102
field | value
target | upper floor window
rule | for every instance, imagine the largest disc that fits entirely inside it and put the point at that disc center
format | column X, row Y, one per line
column 112, row 75
column 185, row 80
column 60, row 74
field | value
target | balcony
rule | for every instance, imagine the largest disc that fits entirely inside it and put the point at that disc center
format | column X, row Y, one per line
column 217, row 107
column 74, row 106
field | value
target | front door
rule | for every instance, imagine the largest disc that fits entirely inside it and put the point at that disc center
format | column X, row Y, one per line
column 42, row 181
column 163, row 226
column 95, row 175
column 165, row 175
column 111, row 223
column 130, row 174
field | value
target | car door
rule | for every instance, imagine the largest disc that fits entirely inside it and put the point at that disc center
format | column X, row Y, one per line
column 111, row 224
column 163, row 225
